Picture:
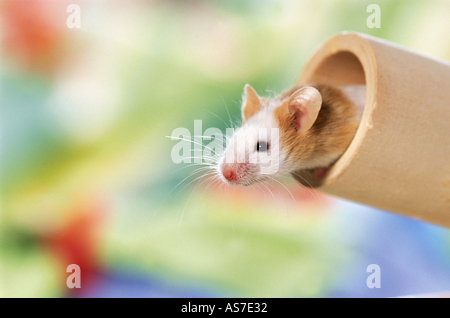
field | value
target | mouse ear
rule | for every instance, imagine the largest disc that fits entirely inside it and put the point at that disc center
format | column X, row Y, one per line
column 305, row 104
column 251, row 104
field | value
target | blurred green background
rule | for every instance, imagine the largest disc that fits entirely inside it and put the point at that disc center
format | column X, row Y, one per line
column 86, row 172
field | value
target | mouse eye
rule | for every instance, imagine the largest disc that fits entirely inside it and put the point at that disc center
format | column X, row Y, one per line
column 262, row 146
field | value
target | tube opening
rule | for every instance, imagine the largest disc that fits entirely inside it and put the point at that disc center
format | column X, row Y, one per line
column 342, row 68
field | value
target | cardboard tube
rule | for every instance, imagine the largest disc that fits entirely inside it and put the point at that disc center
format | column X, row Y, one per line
column 399, row 159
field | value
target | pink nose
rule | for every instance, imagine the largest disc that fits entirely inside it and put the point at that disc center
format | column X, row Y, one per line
column 228, row 173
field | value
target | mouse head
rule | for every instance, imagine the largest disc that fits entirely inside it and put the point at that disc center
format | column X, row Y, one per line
column 259, row 150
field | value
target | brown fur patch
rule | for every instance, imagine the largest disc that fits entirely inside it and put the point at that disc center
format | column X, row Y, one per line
column 331, row 133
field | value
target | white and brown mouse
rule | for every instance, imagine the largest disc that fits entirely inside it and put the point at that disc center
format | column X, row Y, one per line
column 314, row 125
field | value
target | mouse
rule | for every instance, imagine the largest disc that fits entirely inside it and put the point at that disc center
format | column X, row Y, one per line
column 307, row 127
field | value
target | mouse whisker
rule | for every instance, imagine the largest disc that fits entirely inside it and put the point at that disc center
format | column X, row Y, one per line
column 213, row 159
column 187, row 201
column 192, row 173
column 192, row 141
column 261, row 189
column 226, row 125
column 310, row 188
column 271, row 178
column 226, row 107
column 290, row 193
column 194, row 164
column 212, row 179
column 262, row 183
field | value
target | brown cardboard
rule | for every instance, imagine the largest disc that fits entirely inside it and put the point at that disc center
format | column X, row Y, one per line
column 399, row 159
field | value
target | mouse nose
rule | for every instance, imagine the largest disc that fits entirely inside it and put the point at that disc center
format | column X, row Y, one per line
column 228, row 173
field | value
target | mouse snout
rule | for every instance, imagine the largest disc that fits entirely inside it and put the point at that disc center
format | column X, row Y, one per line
column 228, row 173
column 234, row 172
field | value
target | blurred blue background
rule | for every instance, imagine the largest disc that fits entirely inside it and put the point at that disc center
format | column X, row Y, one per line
column 86, row 170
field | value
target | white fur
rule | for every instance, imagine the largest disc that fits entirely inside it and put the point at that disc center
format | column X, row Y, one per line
column 357, row 94
column 242, row 147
